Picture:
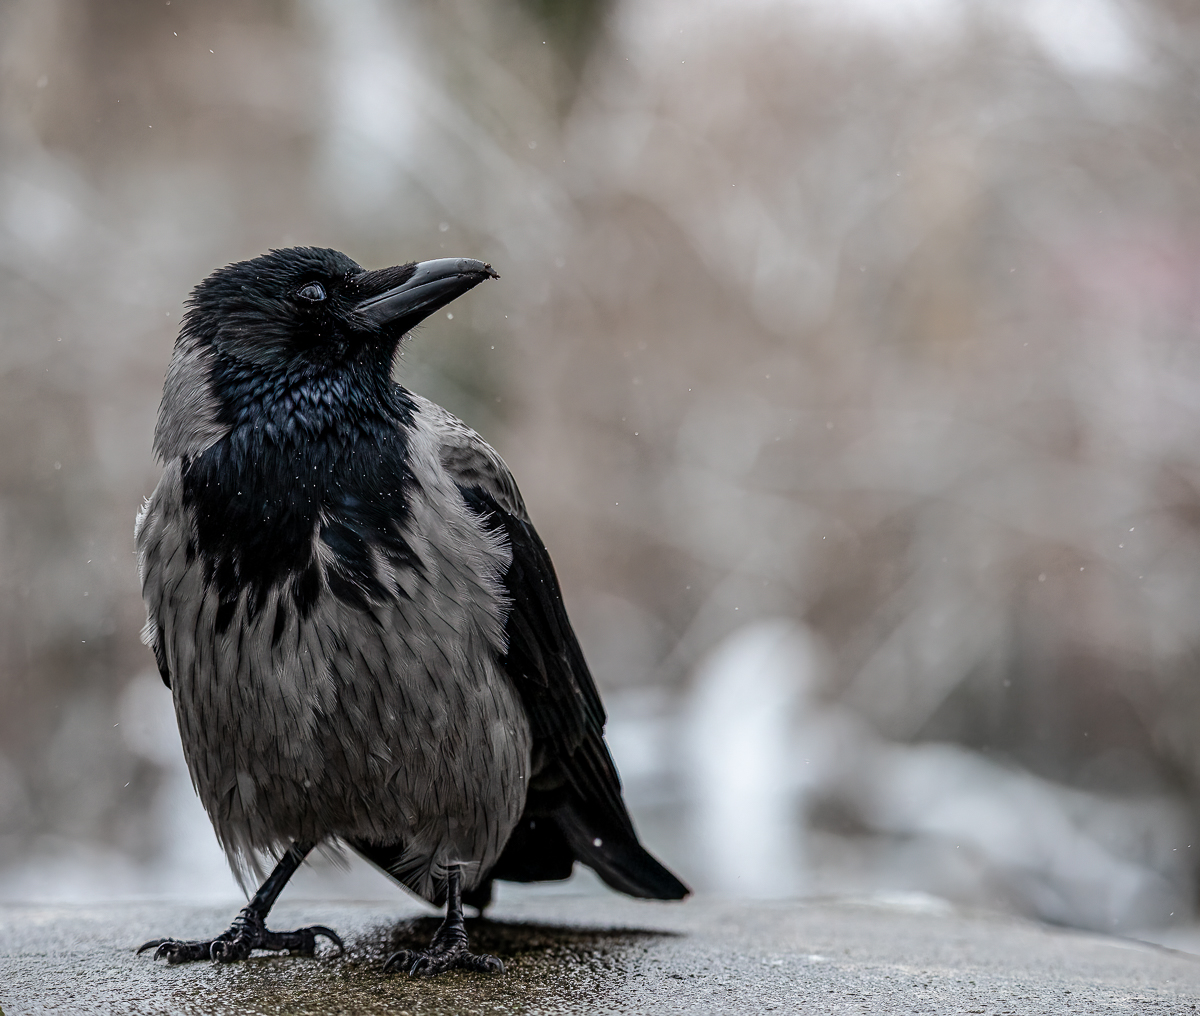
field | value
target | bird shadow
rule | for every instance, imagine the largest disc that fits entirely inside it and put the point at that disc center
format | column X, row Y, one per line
column 522, row 945
column 515, row 939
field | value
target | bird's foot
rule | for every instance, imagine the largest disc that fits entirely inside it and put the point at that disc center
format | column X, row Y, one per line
column 448, row 951
column 248, row 931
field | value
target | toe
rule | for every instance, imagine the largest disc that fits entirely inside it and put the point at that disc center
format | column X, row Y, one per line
column 434, row 962
column 423, row 966
column 174, row 950
column 482, row 964
column 229, row 950
column 329, row 933
column 401, row 960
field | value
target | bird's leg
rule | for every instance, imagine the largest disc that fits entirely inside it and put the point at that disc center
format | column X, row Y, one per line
column 249, row 928
column 448, row 950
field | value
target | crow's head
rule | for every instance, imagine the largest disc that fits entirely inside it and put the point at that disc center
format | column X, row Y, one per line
column 312, row 307
column 295, row 317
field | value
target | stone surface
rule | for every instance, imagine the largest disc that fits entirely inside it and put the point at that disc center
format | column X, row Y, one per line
column 601, row 954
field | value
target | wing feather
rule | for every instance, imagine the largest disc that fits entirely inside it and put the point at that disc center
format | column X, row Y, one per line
column 574, row 808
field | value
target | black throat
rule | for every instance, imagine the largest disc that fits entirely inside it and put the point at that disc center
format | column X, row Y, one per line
column 320, row 454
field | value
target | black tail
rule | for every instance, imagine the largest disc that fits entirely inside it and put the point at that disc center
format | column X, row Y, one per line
column 595, row 822
column 545, row 848
column 618, row 858
column 582, row 822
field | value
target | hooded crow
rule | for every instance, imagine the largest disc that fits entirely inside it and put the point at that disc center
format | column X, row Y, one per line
column 362, row 632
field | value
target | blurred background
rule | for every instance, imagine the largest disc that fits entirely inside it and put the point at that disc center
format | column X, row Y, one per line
column 846, row 352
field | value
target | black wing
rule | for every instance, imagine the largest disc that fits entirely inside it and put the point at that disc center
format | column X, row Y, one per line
column 574, row 809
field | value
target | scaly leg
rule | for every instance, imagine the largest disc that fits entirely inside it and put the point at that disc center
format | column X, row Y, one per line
column 448, row 950
column 249, row 929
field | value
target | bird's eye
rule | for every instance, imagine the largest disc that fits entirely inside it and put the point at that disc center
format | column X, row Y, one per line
column 313, row 291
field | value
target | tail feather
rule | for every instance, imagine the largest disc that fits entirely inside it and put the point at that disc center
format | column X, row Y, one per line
column 618, row 858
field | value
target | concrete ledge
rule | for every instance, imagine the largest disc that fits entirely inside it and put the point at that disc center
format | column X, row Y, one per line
column 568, row 954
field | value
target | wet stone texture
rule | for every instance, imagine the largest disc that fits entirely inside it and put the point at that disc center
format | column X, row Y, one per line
column 600, row 955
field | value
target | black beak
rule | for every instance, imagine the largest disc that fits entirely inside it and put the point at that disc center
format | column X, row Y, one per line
column 433, row 284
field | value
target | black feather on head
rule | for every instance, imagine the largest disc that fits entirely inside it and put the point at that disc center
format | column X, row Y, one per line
column 291, row 311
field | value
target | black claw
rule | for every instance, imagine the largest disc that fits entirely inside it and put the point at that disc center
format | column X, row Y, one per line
column 247, row 933
column 229, row 950
column 175, row 950
column 329, row 933
column 402, row 959
column 437, row 961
